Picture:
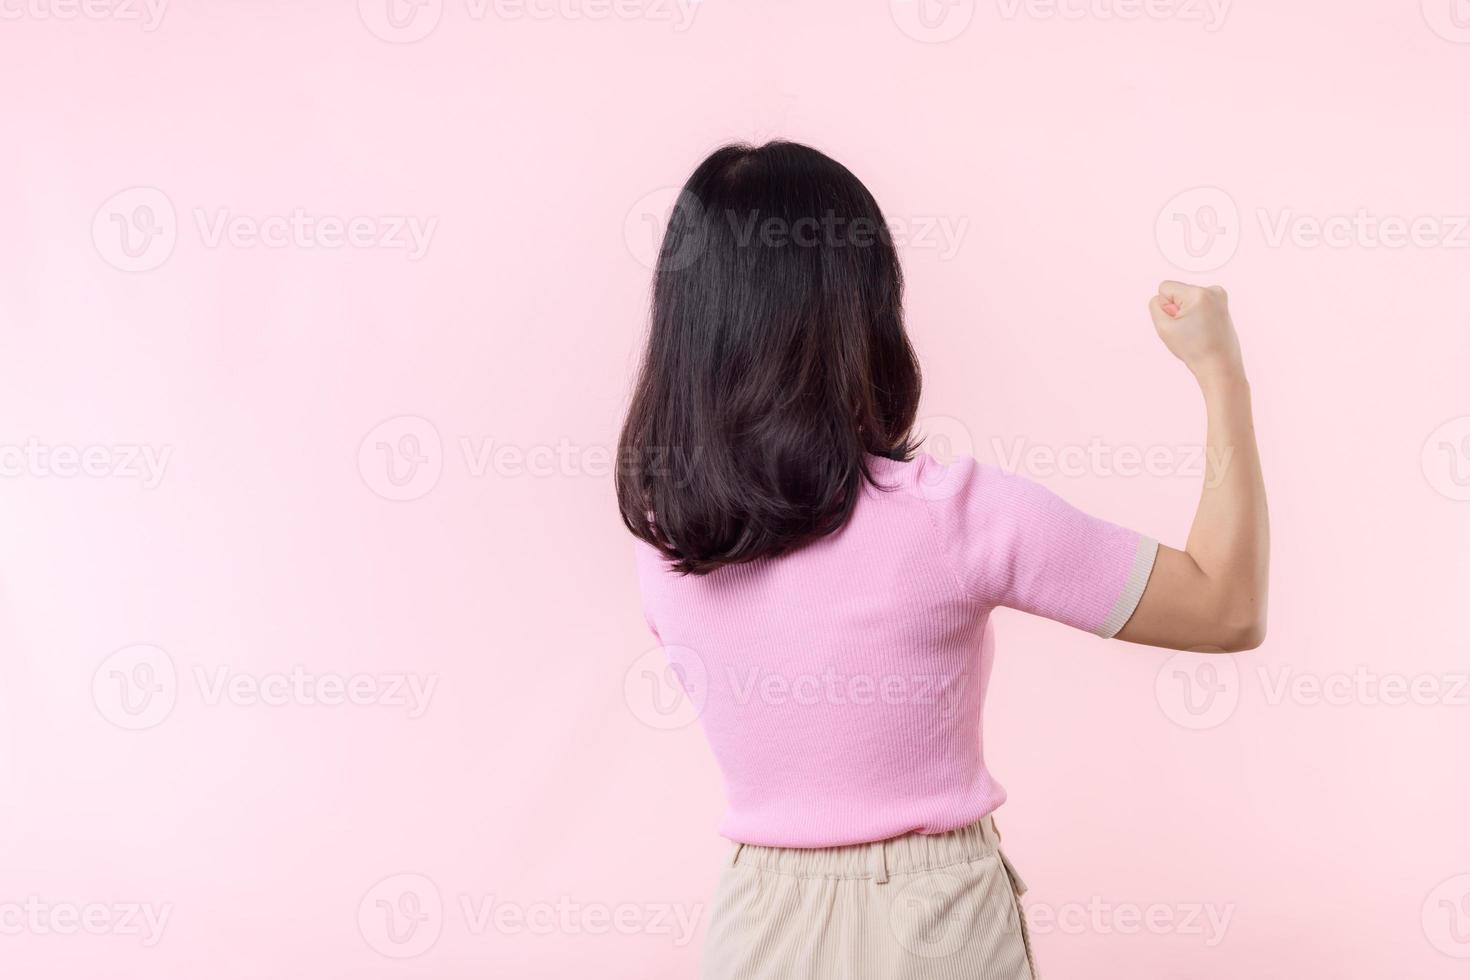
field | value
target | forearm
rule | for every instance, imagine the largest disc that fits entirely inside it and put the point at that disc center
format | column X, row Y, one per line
column 1212, row 595
column 1230, row 538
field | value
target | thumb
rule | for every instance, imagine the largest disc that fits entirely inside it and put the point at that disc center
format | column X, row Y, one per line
column 1162, row 310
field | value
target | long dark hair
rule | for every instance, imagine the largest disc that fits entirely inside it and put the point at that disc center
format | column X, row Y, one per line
column 776, row 361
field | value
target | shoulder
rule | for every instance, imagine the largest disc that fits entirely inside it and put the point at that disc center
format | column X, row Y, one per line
column 946, row 482
column 650, row 563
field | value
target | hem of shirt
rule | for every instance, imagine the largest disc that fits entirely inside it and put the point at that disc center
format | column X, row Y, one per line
column 1127, row 601
column 821, row 842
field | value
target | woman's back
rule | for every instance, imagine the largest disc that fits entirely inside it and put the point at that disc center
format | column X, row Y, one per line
column 841, row 685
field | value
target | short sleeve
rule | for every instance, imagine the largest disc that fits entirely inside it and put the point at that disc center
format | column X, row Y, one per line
column 1015, row 543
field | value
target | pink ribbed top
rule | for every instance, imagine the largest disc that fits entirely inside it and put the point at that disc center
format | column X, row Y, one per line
column 841, row 686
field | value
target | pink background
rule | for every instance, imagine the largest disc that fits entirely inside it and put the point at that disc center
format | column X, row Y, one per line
column 542, row 778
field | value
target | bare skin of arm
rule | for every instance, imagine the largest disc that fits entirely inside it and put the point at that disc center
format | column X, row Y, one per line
column 1211, row 596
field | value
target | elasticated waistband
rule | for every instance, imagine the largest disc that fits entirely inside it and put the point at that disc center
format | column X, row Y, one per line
column 900, row 855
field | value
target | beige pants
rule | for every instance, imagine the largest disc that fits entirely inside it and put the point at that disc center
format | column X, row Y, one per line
column 918, row 907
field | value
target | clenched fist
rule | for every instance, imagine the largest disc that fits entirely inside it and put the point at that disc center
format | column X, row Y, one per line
column 1194, row 323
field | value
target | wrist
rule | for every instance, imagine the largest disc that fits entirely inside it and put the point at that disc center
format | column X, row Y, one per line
column 1222, row 377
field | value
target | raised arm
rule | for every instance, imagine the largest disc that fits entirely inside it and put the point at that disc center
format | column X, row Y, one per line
column 1212, row 595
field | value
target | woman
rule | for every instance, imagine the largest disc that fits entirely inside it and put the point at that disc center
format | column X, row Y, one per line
column 824, row 590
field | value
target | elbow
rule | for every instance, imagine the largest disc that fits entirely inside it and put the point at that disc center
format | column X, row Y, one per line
column 1239, row 640
column 1243, row 628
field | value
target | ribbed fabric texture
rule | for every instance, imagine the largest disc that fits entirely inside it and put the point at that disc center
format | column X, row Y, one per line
column 842, row 686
